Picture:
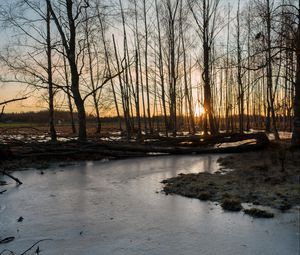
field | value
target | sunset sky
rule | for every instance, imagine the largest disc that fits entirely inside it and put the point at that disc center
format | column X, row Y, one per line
column 34, row 102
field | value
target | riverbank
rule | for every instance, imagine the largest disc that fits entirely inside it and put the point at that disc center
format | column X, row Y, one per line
column 268, row 177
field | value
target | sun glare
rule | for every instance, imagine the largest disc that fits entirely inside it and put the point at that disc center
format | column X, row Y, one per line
column 199, row 110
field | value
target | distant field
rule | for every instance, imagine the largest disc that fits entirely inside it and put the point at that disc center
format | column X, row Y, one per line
column 42, row 129
column 17, row 125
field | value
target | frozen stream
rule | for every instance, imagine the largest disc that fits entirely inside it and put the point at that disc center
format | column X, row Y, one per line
column 111, row 208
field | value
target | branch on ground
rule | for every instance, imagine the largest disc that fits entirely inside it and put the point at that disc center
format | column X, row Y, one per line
column 12, row 177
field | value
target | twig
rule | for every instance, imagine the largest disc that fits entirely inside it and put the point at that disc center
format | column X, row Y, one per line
column 10, row 252
column 35, row 245
column 2, row 111
column 7, row 239
column 13, row 100
column 12, row 177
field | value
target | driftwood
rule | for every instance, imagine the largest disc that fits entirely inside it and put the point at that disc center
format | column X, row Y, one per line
column 147, row 147
column 12, row 177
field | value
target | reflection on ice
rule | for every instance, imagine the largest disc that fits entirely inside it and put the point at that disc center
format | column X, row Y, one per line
column 115, row 208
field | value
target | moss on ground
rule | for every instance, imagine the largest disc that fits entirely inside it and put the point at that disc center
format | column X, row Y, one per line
column 256, row 177
column 258, row 213
column 231, row 204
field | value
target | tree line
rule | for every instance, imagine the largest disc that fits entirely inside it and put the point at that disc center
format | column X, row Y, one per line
column 198, row 65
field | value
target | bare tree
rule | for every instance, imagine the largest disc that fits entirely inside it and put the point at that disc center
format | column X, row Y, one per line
column 239, row 73
column 161, row 68
column 40, row 43
column 296, row 123
column 70, row 45
column 205, row 15
column 171, row 16
column 50, row 82
column 146, row 66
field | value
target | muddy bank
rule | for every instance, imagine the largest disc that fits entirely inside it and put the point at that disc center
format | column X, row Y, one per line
column 269, row 177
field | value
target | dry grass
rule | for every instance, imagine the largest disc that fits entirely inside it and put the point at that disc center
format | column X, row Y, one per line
column 257, row 178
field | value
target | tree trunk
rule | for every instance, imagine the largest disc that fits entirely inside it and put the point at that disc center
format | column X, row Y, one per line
column 296, row 121
column 109, row 68
column 69, row 44
column 270, row 72
column 68, row 92
column 239, row 75
column 125, row 105
column 146, row 67
column 161, row 71
column 50, row 83
column 137, row 101
column 206, row 72
column 187, row 93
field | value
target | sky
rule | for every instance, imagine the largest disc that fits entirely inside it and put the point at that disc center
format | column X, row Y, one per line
column 12, row 90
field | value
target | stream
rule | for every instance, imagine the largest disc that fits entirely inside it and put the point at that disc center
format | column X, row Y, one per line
column 117, row 208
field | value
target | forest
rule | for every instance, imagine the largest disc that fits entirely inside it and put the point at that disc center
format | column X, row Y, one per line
column 162, row 66
column 138, row 127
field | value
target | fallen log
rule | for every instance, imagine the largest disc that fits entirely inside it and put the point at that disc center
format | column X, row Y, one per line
column 181, row 150
column 95, row 150
column 261, row 140
column 198, row 140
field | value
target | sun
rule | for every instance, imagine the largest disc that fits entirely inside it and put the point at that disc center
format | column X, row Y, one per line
column 199, row 110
